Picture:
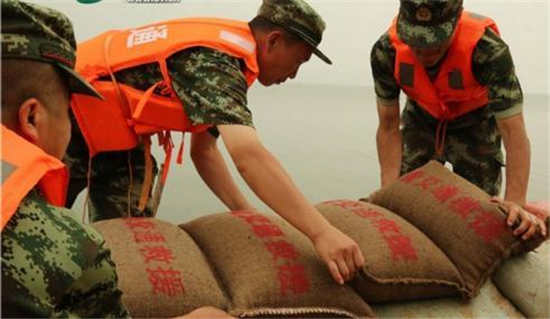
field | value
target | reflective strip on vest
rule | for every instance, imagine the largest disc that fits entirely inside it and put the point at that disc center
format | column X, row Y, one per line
column 25, row 166
column 7, row 170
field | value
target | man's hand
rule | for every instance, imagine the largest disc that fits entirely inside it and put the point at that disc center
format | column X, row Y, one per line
column 517, row 215
column 206, row 313
column 267, row 178
column 341, row 254
column 540, row 213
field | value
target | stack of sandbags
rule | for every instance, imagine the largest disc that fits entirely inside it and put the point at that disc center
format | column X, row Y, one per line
column 525, row 281
column 458, row 217
column 161, row 271
column 401, row 263
column 242, row 262
column 270, row 269
column 490, row 303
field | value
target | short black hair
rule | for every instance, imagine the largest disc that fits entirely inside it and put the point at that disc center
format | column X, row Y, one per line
column 260, row 23
column 23, row 79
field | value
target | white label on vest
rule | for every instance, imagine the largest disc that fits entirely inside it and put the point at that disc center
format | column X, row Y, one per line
column 7, row 169
column 147, row 35
column 238, row 40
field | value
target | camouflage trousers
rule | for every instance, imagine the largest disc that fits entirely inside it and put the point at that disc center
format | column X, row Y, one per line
column 472, row 147
column 116, row 179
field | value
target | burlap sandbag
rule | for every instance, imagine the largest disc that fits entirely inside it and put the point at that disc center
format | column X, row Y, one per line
column 401, row 263
column 525, row 281
column 458, row 217
column 161, row 271
column 488, row 304
column 271, row 269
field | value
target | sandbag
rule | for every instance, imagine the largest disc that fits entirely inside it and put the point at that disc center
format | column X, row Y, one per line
column 270, row 269
column 458, row 217
column 488, row 304
column 401, row 263
column 525, row 281
column 161, row 271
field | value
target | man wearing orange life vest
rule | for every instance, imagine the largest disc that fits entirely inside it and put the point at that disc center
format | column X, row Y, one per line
column 52, row 265
column 463, row 97
column 49, row 259
column 192, row 75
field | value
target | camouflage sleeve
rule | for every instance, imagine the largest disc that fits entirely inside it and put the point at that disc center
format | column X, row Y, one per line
column 53, row 266
column 211, row 86
column 382, row 60
column 492, row 66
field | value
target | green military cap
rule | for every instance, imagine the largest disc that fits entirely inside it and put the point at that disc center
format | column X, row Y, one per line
column 427, row 23
column 297, row 17
column 38, row 33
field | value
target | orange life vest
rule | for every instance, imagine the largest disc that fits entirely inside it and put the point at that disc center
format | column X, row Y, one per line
column 126, row 113
column 455, row 91
column 24, row 165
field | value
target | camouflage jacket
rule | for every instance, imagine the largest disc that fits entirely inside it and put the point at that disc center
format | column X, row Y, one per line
column 210, row 84
column 492, row 66
column 53, row 266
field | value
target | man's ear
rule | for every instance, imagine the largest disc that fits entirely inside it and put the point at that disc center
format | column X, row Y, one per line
column 273, row 40
column 30, row 116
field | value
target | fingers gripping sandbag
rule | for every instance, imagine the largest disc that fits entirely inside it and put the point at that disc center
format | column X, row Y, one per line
column 401, row 263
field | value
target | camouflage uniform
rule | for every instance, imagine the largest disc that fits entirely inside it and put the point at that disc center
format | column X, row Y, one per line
column 212, row 88
column 473, row 142
column 52, row 265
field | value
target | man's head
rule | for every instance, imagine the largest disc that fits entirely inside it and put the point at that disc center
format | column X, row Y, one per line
column 38, row 57
column 428, row 27
column 287, row 33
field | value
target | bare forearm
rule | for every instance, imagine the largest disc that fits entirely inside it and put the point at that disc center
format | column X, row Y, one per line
column 388, row 143
column 518, row 159
column 388, row 140
column 213, row 171
column 268, row 179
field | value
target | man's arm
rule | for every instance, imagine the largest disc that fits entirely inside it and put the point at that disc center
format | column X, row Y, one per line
column 269, row 181
column 493, row 67
column 518, row 164
column 211, row 167
column 388, row 141
column 388, row 136
column 518, row 157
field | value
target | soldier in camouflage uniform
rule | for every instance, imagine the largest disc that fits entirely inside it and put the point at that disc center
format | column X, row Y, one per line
column 213, row 90
column 52, row 265
column 473, row 141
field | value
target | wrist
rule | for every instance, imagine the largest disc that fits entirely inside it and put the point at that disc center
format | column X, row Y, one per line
column 388, row 177
column 520, row 200
column 319, row 230
column 242, row 206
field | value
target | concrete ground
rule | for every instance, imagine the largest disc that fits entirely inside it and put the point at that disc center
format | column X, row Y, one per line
column 325, row 137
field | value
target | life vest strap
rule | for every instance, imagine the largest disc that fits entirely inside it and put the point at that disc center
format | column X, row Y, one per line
column 148, row 181
column 143, row 101
column 179, row 160
column 440, row 135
